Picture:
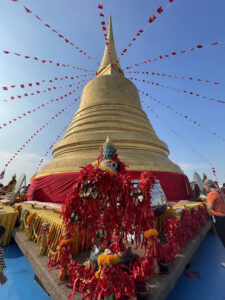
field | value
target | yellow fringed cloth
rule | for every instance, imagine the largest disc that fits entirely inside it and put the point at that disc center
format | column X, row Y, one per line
column 33, row 223
column 8, row 217
column 175, row 209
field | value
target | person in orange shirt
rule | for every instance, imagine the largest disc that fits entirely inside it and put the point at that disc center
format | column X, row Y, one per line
column 216, row 205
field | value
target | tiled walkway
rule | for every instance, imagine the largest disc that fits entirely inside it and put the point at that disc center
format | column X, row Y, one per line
column 20, row 284
column 207, row 262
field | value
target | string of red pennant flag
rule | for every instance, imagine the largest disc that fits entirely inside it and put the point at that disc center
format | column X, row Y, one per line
column 36, row 133
column 49, row 89
column 185, row 116
column 178, row 135
column 103, row 24
column 159, row 11
column 178, row 90
column 173, row 53
column 66, row 40
column 173, row 76
column 37, row 108
column 24, row 85
column 52, row 145
column 43, row 61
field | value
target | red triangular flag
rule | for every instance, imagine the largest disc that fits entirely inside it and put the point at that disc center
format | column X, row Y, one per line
column 159, row 10
column 27, row 10
column 152, row 18
column 36, row 16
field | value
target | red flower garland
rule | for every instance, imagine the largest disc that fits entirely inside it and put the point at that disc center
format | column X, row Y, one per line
column 100, row 200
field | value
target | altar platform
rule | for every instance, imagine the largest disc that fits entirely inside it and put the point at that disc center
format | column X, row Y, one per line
column 160, row 286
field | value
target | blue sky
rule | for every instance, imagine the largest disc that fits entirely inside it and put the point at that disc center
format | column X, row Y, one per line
column 184, row 24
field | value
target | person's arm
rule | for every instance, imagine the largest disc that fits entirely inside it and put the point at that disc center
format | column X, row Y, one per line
column 210, row 201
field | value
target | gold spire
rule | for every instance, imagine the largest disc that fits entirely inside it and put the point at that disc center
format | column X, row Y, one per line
column 110, row 105
column 110, row 62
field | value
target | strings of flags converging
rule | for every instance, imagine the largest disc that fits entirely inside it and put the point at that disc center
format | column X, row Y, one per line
column 132, row 69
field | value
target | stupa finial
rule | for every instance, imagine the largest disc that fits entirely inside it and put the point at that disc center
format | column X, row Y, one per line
column 110, row 60
column 108, row 141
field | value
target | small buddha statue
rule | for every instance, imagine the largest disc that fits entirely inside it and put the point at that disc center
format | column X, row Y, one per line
column 108, row 158
column 10, row 186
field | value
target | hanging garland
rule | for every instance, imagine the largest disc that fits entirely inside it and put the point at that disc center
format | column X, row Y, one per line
column 97, row 190
column 174, row 53
column 173, row 76
column 23, row 85
column 111, row 276
column 186, row 117
column 66, row 40
column 159, row 10
column 37, row 132
column 43, row 61
column 177, row 90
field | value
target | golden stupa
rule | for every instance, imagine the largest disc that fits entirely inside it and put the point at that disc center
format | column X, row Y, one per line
column 110, row 105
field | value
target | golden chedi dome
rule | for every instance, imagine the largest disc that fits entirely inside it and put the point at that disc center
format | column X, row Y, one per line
column 110, row 105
